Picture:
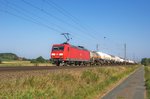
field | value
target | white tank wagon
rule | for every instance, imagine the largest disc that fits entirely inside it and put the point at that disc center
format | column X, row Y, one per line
column 121, row 60
column 117, row 59
column 94, row 57
column 112, row 57
column 113, row 60
column 131, row 62
column 105, row 58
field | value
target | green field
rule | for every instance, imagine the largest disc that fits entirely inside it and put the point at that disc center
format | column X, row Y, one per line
column 87, row 83
column 147, row 81
column 22, row 63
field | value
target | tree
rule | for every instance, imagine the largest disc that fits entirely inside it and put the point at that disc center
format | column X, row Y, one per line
column 145, row 61
column 38, row 60
column 8, row 56
column 0, row 61
column 41, row 59
column 34, row 61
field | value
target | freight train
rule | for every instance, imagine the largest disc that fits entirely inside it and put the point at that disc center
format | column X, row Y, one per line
column 67, row 54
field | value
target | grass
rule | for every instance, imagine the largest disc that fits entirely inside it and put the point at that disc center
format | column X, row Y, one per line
column 64, row 84
column 22, row 63
column 147, row 81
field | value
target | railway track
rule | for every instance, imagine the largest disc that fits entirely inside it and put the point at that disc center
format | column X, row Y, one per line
column 30, row 68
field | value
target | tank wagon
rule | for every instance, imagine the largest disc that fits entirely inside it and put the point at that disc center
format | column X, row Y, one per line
column 66, row 54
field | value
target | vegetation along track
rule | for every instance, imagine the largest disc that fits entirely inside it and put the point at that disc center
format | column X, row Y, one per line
column 30, row 68
column 77, row 83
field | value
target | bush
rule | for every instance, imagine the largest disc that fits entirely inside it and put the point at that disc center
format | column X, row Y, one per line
column 145, row 61
column 25, row 59
column 33, row 61
column 8, row 56
column 0, row 61
column 38, row 60
column 147, row 81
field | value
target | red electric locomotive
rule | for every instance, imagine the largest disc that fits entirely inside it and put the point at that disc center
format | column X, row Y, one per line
column 69, row 54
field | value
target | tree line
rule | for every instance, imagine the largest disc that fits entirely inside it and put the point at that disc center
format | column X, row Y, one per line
column 12, row 56
column 145, row 61
column 8, row 56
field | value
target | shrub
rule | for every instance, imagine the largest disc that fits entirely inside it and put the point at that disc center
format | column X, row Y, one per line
column 38, row 60
column 8, row 56
column 33, row 61
column 147, row 84
column 145, row 61
column 147, row 81
column 41, row 59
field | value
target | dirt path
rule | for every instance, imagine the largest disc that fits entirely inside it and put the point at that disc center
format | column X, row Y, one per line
column 131, row 88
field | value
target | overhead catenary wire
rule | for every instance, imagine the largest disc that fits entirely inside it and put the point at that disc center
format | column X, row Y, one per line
column 33, row 19
column 64, row 12
column 10, row 13
column 67, row 14
column 47, row 13
column 29, row 19
column 73, row 18
column 25, row 17
column 29, row 13
column 55, row 17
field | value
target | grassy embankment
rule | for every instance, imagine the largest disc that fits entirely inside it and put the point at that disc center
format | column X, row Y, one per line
column 147, row 81
column 23, row 63
column 89, row 83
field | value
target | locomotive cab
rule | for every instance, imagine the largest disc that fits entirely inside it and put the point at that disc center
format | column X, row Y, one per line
column 57, row 52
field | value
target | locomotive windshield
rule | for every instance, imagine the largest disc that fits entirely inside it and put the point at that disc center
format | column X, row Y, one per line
column 57, row 48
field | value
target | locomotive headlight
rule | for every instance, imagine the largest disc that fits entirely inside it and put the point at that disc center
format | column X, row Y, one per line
column 53, row 54
column 61, row 54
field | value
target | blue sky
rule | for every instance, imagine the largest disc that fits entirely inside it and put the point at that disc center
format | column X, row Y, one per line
column 26, row 26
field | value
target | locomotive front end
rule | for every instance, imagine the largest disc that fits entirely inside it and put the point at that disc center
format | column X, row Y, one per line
column 57, row 54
